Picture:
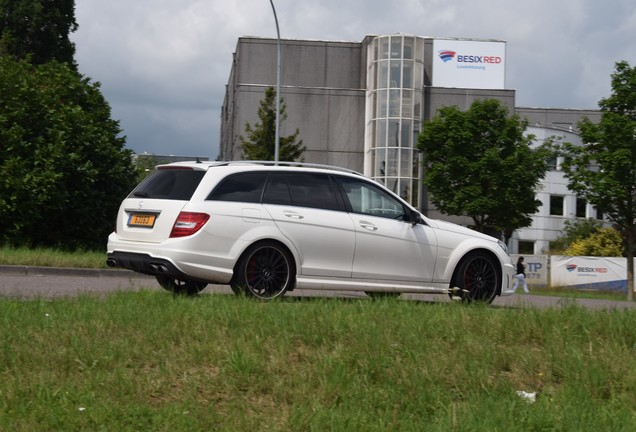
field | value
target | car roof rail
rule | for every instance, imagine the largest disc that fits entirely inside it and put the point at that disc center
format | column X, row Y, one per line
column 287, row 164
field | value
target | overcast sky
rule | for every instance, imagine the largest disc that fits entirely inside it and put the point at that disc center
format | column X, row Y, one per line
column 163, row 64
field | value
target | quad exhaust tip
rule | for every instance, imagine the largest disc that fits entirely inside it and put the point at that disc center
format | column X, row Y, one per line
column 159, row 268
column 156, row 267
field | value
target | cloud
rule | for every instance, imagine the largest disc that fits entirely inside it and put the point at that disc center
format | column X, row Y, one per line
column 164, row 64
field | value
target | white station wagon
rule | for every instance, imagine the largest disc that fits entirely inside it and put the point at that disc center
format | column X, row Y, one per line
column 266, row 229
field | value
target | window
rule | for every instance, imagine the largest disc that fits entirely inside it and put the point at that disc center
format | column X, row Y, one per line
column 380, row 163
column 383, row 104
column 406, row 134
column 383, row 75
column 556, row 205
column 555, row 161
column 396, row 47
column 395, row 103
column 277, row 191
column 407, row 75
column 392, row 162
column 365, row 198
column 394, row 133
column 395, row 77
column 581, row 206
column 408, row 47
column 242, row 187
column 407, row 103
column 526, row 247
column 173, row 184
column 312, row 190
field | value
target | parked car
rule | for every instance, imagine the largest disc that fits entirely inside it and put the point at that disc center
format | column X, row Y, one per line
column 266, row 229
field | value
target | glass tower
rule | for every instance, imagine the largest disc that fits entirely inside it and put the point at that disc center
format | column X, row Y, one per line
column 395, row 72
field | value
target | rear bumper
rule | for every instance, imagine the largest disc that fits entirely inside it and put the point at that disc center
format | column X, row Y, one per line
column 176, row 258
column 143, row 263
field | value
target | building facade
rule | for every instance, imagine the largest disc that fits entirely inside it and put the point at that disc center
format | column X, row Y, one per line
column 360, row 105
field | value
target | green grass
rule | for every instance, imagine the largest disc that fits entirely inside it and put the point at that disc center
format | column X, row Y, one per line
column 148, row 361
column 51, row 257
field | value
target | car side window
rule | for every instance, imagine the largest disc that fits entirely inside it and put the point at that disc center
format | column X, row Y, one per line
column 277, row 190
column 312, row 190
column 366, row 198
column 241, row 187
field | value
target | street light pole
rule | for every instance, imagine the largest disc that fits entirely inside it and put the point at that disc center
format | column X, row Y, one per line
column 277, row 138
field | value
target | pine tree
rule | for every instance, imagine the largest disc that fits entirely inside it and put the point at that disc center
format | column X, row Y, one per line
column 260, row 141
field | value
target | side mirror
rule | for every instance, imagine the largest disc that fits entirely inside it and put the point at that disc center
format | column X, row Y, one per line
column 415, row 218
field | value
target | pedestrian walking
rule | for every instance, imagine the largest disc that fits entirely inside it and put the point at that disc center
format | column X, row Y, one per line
column 520, row 276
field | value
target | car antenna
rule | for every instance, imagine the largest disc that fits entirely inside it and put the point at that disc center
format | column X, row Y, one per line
column 198, row 161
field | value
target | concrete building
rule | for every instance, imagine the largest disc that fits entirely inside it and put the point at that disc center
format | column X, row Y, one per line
column 360, row 105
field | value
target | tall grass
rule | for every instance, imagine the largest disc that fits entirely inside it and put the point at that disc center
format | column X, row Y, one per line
column 47, row 257
column 148, row 361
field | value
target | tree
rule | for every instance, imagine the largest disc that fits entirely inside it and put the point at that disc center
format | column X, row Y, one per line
column 261, row 138
column 38, row 30
column 479, row 163
column 603, row 169
column 64, row 166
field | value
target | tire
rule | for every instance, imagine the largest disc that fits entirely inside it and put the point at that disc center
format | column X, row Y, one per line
column 477, row 279
column 265, row 271
column 180, row 286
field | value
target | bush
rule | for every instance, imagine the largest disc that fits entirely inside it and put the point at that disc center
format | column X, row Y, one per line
column 64, row 166
column 604, row 242
column 573, row 231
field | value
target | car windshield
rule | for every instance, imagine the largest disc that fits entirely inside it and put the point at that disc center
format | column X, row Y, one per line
column 172, row 184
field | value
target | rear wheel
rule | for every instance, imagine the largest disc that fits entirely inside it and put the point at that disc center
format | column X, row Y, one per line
column 180, row 286
column 265, row 271
column 476, row 280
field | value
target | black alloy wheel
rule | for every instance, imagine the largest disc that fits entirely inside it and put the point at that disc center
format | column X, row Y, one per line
column 477, row 279
column 265, row 271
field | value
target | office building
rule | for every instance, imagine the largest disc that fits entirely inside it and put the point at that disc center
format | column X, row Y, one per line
column 360, row 105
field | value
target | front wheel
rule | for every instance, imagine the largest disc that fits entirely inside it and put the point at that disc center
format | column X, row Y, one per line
column 180, row 286
column 265, row 271
column 476, row 280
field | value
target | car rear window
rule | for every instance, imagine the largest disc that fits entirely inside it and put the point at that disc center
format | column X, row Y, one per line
column 173, row 184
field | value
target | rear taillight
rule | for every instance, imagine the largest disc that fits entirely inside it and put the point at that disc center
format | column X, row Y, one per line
column 188, row 223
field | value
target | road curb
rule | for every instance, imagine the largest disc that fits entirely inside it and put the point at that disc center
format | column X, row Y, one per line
column 21, row 270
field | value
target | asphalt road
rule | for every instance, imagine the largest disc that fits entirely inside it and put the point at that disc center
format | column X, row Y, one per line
column 25, row 282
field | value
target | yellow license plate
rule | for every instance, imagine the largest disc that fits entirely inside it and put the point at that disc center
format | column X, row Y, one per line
column 142, row 220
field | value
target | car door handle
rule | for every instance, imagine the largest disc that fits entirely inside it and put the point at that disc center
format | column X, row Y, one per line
column 293, row 215
column 368, row 226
